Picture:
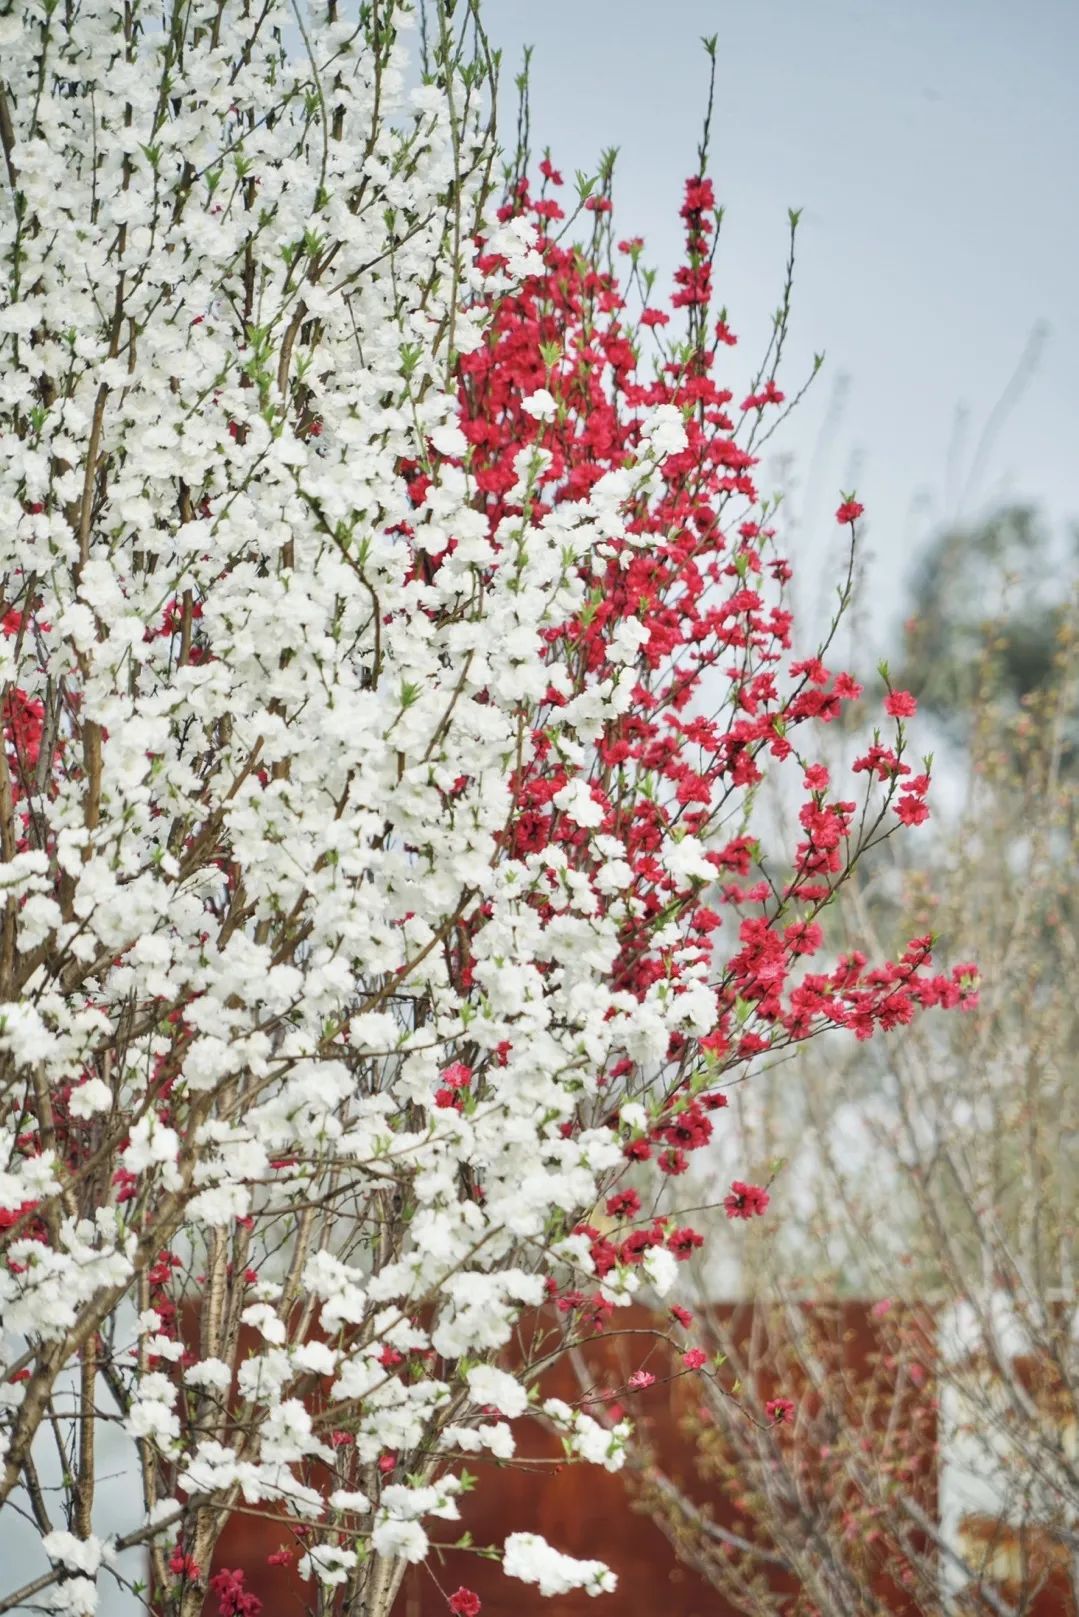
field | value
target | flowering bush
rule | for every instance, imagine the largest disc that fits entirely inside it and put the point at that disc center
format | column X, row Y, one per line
column 389, row 669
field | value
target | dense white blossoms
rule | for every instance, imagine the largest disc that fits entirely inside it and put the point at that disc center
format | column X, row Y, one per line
column 261, row 780
column 531, row 1559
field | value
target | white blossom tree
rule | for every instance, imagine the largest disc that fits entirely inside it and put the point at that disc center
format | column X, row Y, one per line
column 297, row 1046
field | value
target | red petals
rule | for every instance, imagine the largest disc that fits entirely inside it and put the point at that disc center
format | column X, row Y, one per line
column 465, row 1603
column 745, row 1201
column 780, row 1410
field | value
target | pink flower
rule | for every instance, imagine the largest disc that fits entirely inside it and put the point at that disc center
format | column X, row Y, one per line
column 694, row 1358
column 900, row 705
column 640, row 1379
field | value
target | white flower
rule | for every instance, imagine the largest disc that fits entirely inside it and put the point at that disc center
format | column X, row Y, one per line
column 76, row 1596
column 491, row 1386
column 211, row 1467
column 315, row 1356
column 152, row 1143
column 342, row 1499
column 576, row 800
column 532, row 1560
column 220, row 1204
column 209, row 1373
column 498, row 1440
column 329, row 1564
column 89, row 1097
column 661, row 1269
column 151, row 1418
column 329, row 1278
column 665, row 430
column 448, row 439
column 686, row 859
column 266, row 1321
column 586, row 1438
column 541, row 404
column 76, row 1554
column 400, row 1539
column 629, row 636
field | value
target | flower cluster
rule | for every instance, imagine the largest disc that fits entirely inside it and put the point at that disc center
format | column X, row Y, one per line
column 390, row 661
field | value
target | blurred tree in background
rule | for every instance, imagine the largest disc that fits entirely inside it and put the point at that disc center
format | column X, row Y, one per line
column 996, row 586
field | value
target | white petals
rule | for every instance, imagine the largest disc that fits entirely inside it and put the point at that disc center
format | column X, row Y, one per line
column 532, row 1560
column 76, row 1554
column 491, row 1386
column 541, row 404
column 576, row 801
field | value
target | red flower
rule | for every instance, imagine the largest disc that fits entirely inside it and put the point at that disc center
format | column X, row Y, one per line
column 683, row 1243
column 849, row 511
column 745, row 1200
column 184, row 1565
column 847, row 688
column 817, row 778
column 694, row 1358
column 465, row 1603
column 673, row 1161
column 233, row 1600
column 779, row 1410
column 10, row 1216
column 900, row 705
column 912, row 810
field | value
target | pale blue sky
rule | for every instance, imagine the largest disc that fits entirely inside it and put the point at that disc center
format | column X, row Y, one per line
column 931, row 145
